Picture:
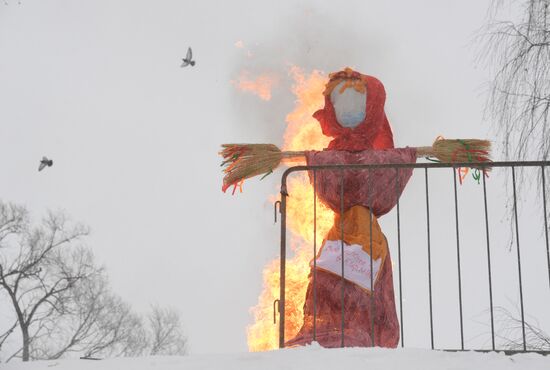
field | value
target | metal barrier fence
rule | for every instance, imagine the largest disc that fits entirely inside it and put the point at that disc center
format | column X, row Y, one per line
column 313, row 170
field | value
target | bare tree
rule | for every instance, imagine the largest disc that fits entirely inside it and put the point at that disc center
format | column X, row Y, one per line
column 60, row 297
column 166, row 332
column 62, row 301
column 120, row 332
column 97, row 323
column 518, row 54
column 38, row 274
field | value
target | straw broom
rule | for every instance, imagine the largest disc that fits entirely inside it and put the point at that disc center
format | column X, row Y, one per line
column 243, row 161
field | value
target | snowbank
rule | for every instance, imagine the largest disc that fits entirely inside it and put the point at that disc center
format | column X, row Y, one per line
column 312, row 357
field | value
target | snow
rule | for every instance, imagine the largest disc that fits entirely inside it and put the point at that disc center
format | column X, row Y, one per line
column 311, row 357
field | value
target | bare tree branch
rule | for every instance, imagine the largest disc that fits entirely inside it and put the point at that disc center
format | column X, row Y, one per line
column 511, row 332
column 7, row 334
column 166, row 330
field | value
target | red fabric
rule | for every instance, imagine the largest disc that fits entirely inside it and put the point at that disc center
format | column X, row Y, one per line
column 373, row 133
column 375, row 189
column 357, row 312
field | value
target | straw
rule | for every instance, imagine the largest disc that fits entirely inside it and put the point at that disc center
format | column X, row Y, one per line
column 243, row 161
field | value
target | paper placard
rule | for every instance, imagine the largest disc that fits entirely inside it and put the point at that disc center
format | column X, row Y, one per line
column 356, row 262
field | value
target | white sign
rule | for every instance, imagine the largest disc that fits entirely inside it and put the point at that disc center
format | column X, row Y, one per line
column 356, row 262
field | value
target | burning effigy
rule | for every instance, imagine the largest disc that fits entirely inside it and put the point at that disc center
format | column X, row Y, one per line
column 353, row 117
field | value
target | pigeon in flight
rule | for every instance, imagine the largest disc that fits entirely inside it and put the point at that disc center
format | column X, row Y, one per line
column 188, row 59
column 45, row 162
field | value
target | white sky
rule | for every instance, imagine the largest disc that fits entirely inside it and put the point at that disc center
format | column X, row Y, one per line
column 96, row 86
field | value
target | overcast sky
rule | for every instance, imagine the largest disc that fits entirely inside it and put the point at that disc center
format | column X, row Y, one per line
column 97, row 86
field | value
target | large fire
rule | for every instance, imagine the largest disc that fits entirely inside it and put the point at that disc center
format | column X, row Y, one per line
column 303, row 132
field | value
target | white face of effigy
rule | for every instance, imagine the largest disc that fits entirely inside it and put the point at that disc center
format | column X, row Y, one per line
column 350, row 106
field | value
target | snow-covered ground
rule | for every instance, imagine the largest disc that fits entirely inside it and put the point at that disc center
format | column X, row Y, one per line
column 312, row 357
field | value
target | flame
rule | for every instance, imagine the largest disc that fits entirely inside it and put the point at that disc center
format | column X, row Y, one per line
column 303, row 132
column 260, row 86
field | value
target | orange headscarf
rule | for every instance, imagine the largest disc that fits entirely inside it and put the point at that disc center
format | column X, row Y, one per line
column 374, row 131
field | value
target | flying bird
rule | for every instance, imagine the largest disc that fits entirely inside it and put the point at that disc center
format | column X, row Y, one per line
column 45, row 162
column 188, row 59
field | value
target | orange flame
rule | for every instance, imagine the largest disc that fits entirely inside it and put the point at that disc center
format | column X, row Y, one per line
column 303, row 132
column 260, row 86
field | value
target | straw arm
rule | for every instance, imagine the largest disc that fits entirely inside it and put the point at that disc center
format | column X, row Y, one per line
column 425, row 151
column 294, row 154
column 243, row 161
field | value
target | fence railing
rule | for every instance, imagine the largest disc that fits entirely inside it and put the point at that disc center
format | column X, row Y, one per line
column 427, row 169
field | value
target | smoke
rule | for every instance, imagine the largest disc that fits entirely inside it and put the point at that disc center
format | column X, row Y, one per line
column 308, row 39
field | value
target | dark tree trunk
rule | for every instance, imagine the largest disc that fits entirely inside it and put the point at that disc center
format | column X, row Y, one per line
column 26, row 342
